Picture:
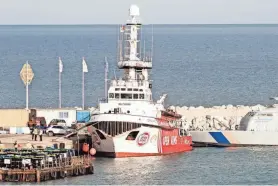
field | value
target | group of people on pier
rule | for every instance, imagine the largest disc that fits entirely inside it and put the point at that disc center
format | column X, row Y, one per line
column 37, row 131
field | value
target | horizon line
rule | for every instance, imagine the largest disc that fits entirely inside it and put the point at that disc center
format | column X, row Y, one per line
column 114, row 24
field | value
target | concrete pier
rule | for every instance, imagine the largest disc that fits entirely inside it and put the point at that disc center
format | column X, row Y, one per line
column 22, row 140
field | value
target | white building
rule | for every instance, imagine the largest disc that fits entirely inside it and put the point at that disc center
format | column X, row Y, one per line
column 67, row 114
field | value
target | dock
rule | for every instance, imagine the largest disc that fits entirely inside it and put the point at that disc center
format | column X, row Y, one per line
column 37, row 161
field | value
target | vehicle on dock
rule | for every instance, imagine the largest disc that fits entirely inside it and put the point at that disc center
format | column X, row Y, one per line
column 58, row 130
column 257, row 128
column 60, row 122
column 129, row 123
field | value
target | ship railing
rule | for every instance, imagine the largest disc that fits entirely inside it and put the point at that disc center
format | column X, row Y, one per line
column 137, row 21
column 130, row 83
column 142, row 59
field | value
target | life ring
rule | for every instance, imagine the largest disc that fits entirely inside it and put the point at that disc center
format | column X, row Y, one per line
column 53, row 174
column 82, row 170
column 62, row 174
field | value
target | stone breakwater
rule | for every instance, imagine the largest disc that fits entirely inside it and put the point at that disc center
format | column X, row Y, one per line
column 225, row 117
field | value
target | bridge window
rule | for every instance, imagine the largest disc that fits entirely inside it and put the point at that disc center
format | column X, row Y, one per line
column 111, row 95
column 141, row 90
column 135, row 96
column 117, row 89
column 122, row 89
column 132, row 135
column 135, row 89
column 126, row 96
column 117, row 95
column 129, row 89
column 141, row 96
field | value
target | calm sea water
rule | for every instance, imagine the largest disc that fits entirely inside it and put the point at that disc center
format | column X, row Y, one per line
column 196, row 65
column 203, row 166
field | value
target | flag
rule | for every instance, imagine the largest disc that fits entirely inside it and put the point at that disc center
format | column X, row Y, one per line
column 84, row 65
column 60, row 65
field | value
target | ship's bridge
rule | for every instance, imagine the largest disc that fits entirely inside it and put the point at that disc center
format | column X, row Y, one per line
column 132, row 100
column 263, row 120
column 130, row 93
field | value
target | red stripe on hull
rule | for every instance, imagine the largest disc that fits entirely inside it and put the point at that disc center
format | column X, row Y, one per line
column 131, row 154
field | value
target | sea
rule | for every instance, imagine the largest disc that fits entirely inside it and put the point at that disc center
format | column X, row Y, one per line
column 196, row 65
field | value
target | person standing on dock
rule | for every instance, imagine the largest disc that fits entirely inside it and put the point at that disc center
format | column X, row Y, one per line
column 35, row 132
column 40, row 133
column 32, row 132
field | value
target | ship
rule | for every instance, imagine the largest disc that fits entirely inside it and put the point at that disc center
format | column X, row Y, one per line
column 256, row 128
column 128, row 122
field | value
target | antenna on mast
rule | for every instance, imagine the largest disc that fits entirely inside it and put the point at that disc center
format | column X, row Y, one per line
column 115, row 75
column 106, row 78
column 152, row 46
column 118, row 47
column 141, row 37
column 144, row 50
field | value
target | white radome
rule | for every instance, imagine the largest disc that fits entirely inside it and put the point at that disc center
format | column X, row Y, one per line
column 134, row 10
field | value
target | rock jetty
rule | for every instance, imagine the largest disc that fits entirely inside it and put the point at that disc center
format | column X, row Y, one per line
column 225, row 117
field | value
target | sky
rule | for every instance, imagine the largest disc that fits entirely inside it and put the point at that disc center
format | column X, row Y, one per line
column 33, row 12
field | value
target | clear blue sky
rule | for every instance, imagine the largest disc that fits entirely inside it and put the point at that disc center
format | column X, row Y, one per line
column 152, row 11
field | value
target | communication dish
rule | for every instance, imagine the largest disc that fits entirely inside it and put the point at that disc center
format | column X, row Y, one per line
column 134, row 10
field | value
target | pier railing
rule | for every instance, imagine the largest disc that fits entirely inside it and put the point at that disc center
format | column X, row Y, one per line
column 44, row 168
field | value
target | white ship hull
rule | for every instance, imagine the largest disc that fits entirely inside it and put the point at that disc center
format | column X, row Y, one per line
column 234, row 138
column 150, row 140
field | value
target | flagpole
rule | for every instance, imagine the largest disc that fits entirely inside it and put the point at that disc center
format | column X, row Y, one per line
column 84, row 69
column 83, row 89
column 60, row 87
column 60, row 91
column 106, row 74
